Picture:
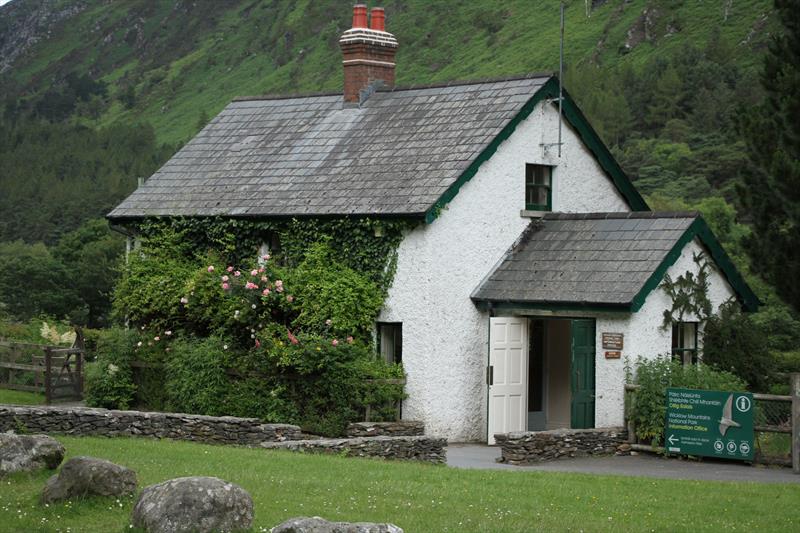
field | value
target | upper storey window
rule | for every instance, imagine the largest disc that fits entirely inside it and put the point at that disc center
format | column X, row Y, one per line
column 538, row 187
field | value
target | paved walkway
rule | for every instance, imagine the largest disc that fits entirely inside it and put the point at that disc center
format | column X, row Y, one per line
column 478, row 456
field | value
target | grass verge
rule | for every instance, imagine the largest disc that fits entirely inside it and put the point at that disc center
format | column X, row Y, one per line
column 20, row 397
column 419, row 498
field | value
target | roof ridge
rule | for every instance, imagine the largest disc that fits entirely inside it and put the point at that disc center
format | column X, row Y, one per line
column 276, row 96
column 456, row 83
column 621, row 215
column 453, row 83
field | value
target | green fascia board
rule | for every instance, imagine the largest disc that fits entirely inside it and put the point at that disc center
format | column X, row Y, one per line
column 700, row 229
column 556, row 307
column 577, row 120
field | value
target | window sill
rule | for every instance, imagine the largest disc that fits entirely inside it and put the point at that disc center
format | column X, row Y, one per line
column 527, row 213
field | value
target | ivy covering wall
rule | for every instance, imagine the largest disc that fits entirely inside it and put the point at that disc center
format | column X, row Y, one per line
column 285, row 335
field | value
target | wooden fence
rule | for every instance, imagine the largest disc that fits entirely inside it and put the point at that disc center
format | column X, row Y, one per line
column 54, row 371
column 777, row 423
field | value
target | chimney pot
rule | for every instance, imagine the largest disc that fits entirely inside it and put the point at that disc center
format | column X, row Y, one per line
column 360, row 16
column 377, row 19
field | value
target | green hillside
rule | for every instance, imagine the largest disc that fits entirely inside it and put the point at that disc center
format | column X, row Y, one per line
column 174, row 63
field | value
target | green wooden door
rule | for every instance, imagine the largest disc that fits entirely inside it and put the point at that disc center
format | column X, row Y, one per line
column 582, row 373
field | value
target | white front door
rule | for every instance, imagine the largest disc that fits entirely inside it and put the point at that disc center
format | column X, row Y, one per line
column 508, row 372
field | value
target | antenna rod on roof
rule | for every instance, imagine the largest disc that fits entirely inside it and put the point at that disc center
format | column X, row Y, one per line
column 561, row 80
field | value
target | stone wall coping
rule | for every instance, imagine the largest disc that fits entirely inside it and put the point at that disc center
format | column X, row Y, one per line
column 353, row 441
column 112, row 413
column 558, row 432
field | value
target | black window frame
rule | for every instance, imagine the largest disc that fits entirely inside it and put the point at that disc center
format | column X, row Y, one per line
column 679, row 348
column 530, row 183
column 397, row 344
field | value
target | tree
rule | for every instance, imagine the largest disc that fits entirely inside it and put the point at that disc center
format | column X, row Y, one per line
column 33, row 282
column 771, row 189
column 91, row 255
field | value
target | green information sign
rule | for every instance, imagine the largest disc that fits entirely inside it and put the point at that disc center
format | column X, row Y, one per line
column 709, row 423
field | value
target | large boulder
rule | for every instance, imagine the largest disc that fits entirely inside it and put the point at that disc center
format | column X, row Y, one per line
column 320, row 525
column 84, row 476
column 193, row 504
column 26, row 453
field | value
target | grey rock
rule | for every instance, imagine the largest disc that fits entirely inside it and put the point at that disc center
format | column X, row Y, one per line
column 193, row 504
column 89, row 476
column 320, row 525
column 25, row 453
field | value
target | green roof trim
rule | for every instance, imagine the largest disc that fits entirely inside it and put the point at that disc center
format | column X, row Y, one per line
column 700, row 230
column 555, row 307
column 574, row 118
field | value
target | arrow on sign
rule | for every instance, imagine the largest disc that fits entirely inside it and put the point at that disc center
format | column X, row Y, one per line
column 672, row 439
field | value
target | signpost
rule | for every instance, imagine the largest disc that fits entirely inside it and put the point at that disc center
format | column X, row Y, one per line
column 709, row 423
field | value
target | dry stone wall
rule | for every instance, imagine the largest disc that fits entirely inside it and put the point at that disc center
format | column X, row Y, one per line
column 401, row 428
column 426, row 449
column 537, row 446
column 88, row 421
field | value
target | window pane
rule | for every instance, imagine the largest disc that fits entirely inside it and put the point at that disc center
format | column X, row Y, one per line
column 391, row 342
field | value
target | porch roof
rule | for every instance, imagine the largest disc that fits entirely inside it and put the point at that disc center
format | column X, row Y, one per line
column 599, row 260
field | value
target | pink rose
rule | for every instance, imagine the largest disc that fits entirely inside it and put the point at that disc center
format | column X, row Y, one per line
column 265, row 257
column 264, row 279
column 279, row 286
column 260, row 270
column 289, row 298
column 254, row 273
column 335, row 342
column 211, row 268
column 229, row 269
column 237, row 274
column 225, row 286
column 265, row 292
column 350, row 339
column 250, row 285
column 258, row 344
column 225, row 278
column 156, row 338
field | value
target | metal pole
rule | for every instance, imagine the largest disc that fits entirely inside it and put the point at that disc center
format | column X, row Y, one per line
column 795, row 392
column 560, row 79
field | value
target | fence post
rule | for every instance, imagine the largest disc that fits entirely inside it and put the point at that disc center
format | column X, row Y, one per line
column 79, row 375
column 48, row 360
column 795, row 392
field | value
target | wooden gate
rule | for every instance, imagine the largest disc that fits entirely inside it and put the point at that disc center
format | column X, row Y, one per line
column 54, row 371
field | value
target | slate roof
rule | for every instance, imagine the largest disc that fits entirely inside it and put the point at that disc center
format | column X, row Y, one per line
column 585, row 259
column 396, row 154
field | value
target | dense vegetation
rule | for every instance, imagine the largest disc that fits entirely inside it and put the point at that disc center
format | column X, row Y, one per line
column 103, row 92
column 287, row 338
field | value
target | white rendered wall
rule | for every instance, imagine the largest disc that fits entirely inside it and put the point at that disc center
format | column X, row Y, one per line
column 445, row 338
column 644, row 336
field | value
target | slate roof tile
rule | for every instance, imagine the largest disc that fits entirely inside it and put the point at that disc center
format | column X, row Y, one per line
column 313, row 155
column 588, row 258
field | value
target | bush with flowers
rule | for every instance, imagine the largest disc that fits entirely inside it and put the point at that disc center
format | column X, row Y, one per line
column 280, row 341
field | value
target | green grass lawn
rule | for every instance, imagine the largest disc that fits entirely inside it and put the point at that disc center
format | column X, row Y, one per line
column 20, row 398
column 419, row 498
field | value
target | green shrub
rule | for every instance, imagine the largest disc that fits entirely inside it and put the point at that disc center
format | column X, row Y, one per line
column 109, row 380
column 334, row 299
column 196, row 378
column 734, row 343
column 647, row 406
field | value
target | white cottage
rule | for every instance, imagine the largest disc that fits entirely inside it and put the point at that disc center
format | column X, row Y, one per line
column 532, row 273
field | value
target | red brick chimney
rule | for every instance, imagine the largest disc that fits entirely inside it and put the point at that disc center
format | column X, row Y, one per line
column 368, row 52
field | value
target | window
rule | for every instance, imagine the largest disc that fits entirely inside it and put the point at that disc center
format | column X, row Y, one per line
column 538, row 187
column 684, row 342
column 390, row 341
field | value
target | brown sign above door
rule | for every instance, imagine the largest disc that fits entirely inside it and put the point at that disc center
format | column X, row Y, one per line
column 613, row 341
